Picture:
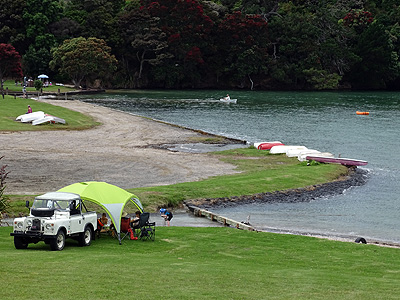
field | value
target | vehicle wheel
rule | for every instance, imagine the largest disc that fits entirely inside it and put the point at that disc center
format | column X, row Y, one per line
column 20, row 243
column 58, row 243
column 85, row 237
column 361, row 240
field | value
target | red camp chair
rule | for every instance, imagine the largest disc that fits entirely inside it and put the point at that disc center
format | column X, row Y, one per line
column 126, row 228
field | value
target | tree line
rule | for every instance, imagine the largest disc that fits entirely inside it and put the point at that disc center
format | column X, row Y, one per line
column 250, row 44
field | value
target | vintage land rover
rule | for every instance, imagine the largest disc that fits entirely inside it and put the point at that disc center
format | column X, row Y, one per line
column 54, row 217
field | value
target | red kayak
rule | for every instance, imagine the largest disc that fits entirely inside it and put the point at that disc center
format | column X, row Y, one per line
column 268, row 146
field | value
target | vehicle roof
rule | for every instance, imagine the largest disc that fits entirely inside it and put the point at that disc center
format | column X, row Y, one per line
column 59, row 196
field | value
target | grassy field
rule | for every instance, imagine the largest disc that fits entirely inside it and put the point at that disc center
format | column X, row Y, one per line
column 10, row 85
column 11, row 108
column 201, row 263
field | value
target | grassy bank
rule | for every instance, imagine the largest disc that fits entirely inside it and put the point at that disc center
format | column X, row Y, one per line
column 260, row 173
column 10, row 108
column 201, row 263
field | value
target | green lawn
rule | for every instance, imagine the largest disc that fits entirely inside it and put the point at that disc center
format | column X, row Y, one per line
column 201, row 263
column 11, row 108
column 10, row 85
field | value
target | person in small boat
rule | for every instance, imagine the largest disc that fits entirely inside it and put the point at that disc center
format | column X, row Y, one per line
column 227, row 98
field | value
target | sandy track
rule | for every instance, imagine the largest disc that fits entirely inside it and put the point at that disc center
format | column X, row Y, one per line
column 114, row 152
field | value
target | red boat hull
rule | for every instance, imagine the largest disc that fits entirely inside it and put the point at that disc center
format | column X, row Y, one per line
column 268, row 146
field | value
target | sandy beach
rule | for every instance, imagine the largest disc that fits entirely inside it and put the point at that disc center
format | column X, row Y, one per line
column 120, row 151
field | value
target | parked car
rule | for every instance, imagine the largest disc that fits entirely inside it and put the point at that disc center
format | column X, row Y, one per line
column 54, row 217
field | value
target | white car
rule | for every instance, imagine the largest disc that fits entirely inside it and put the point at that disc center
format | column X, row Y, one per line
column 54, row 217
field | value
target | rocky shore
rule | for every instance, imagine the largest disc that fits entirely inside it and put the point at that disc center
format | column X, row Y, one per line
column 356, row 177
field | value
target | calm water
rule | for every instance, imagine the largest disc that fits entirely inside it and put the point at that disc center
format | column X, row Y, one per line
column 325, row 121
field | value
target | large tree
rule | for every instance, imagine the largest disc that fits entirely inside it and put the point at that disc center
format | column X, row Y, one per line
column 84, row 60
column 38, row 16
column 187, row 30
column 10, row 63
column 242, row 42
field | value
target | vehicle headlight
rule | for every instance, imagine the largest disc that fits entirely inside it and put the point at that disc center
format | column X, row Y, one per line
column 29, row 222
column 20, row 225
column 48, row 226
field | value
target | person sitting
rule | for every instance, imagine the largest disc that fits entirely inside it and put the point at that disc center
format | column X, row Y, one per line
column 135, row 221
column 104, row 219
column 101, row 222
column 29, row 110
column 227, row 98
column 72, row 208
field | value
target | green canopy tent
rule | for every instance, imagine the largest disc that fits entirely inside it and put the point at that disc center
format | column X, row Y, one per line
column 112, row 198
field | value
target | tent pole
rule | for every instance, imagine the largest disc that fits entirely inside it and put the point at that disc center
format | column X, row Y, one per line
column 119, row 238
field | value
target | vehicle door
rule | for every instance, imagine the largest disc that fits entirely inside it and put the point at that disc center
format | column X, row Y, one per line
column 76, row 219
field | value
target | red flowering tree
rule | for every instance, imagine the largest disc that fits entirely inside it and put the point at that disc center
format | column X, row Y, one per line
column 10, row 63
column 358, row 19
column 242, row 46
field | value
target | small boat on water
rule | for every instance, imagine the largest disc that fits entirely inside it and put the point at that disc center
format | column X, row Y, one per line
column 362, row 112
column 337, row 160
column 228, row 100
column 267, row 145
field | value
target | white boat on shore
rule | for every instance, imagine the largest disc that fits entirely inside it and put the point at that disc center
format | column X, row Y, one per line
column 285, row 149
column 302, row 155
column 27, row 118
column 48, row 119
column 337, row 160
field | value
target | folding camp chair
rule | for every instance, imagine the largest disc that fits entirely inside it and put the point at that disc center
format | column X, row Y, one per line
column 146, row 230
column 126, row 229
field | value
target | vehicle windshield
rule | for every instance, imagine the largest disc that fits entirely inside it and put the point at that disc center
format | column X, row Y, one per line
column 51, row 204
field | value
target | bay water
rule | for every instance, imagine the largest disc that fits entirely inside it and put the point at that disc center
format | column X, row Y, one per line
column 325, row 121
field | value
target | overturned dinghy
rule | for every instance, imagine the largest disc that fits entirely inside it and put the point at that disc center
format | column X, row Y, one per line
column 27, row 118
column 285, row 149
column 48, row 119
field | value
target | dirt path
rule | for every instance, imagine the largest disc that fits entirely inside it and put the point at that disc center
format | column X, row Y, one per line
column 114, row 152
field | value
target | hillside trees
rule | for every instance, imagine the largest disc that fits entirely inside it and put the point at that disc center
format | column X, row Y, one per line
column 12, row 27
column 285, row 44
column 84, row 60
